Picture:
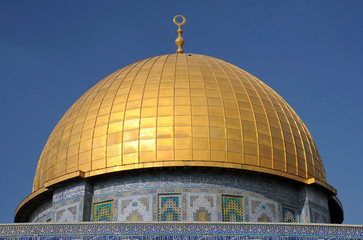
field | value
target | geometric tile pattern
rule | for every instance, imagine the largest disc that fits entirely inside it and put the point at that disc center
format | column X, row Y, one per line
column 202, row 215
column 67, row 214
column 196, row 204
column 69, row 192
column 201, row 207
column 289, row 214
column 42, row 213
column 304, row 215
column 307, row 200
column 169, row 207
column 262, row 210
column 232, row 209
column 135, row 209
column 180, row 231
column 197, row 195
column 184, row 207
column 103, row 211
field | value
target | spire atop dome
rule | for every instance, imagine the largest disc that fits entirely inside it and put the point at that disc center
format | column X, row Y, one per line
column 179, row 41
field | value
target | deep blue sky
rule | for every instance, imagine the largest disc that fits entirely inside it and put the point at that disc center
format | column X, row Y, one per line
column 310, row 52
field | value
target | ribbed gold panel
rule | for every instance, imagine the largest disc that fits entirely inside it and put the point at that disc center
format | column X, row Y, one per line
column 179, row 110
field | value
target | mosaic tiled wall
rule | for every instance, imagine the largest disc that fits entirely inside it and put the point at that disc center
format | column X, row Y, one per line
column 180, row 231
column 71, row 203
column 169, row 207
column 135, row 209
column 318, row 213
column 202, row 207
column 263, row 210
column 103, row 211
column 313, row 206
column 320, row 217
column 232, row 209
column 68, row 213
column 289, row 214
column 192, row 197
column 43, row 213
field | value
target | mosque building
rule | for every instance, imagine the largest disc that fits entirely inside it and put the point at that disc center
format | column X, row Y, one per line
column 182, row 140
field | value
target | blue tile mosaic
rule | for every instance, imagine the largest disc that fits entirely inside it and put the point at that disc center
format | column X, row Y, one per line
column 68, row 213
column 136, row 198
column 202, row 207
column 69, row 192
column 43, row 212
column 289, row 214
column 232, row 209
column 181, row 230
column 169, row 208
column 103, row 211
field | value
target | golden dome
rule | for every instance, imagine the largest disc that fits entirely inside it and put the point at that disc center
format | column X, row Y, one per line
column 179, row 110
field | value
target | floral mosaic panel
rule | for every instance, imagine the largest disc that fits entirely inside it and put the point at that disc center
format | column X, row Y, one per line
column 67, row 214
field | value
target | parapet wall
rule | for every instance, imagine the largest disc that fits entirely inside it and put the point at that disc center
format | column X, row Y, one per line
column 179, row 231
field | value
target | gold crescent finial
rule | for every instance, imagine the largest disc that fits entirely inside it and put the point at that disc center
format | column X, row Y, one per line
column 179, row 41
